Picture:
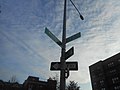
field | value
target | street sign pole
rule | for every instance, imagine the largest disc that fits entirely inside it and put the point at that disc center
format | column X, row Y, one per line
column 64, row 66
column 63, row 50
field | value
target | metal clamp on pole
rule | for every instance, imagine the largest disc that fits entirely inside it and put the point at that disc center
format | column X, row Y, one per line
column 67, row 73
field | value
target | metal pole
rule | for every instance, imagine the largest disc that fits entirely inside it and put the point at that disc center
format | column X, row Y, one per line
column 63, row 50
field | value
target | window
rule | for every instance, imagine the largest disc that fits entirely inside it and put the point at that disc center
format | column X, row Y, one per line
column 100, row 74
column 103, row 89
column 117, row 87
column 111, row 64
column 94, row 83
column 93, row 76
column 118, row 60
column 113, row 71
column 102, row 82
column 115, row 80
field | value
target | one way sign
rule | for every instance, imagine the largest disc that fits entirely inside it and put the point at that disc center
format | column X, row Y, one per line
column 69, row 65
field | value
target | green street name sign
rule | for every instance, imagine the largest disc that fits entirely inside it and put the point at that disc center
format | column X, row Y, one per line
column 73, row 37
column 53, row 37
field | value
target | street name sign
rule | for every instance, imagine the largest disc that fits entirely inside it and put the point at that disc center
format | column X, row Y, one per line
column 73, row 37
column 53, row 37
column 69, row 66
column 69, row 53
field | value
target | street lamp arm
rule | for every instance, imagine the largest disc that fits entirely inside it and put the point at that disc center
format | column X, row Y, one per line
column 77, row 10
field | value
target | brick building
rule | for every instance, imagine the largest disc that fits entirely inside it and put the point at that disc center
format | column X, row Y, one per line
column 105, row 75
column 32, row 83
column 10, row 86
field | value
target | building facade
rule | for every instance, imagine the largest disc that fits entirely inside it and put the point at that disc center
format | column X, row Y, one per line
column 105, row 75
column 10, row 86
column 32, row 83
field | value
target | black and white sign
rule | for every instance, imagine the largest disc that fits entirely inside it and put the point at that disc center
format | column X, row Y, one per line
column 69, row 66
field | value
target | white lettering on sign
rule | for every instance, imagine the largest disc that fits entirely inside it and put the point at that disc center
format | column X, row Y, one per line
column 71, row 65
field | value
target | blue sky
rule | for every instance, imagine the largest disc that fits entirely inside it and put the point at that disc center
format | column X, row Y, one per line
column 26, row 50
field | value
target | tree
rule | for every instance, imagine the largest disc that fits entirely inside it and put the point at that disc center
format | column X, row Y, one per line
column 73, row 86
column 13, row 79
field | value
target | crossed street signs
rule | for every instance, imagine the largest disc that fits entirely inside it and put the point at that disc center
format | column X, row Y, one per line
column 69, row 66
column 54, row 38
column 68, row 54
